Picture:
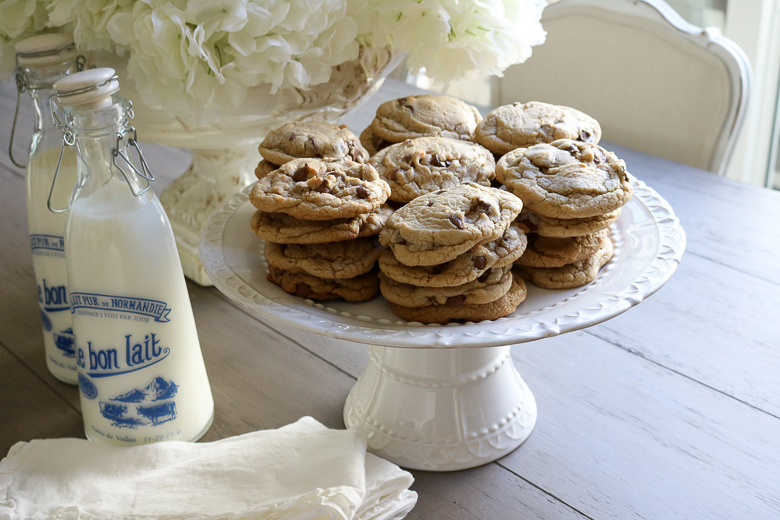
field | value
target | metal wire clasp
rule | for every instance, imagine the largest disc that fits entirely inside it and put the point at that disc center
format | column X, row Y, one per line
column 68, row 139
column 119, row 151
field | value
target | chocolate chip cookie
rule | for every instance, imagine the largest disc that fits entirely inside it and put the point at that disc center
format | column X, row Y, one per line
column 571, row 275
column 311, row 189
column 418, row 166
column 345, row 259
column 521, row 125
column 566, row 179
column 557, row 252
column 491, row 286
column 444, row 314
column 425, row 115
column 565, row 227
column 437, row 227
column 285, row 229
column 311, row 139
column 358, row 289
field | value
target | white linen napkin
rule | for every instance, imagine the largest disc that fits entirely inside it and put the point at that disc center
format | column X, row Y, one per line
column 302, row 471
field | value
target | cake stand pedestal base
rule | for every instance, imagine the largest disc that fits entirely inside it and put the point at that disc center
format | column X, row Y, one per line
column 214, row 176
column 441, row 409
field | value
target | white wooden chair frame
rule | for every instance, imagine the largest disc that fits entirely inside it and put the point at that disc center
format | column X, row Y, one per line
column 704, row 139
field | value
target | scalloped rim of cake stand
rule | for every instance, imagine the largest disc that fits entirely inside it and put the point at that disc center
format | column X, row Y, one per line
column 649, row 244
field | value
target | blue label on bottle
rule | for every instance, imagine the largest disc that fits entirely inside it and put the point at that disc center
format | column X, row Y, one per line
column 53, row 298
column 48, row 242
column 107, row 303
column 133, row 355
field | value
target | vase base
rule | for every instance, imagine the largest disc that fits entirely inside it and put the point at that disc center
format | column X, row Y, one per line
column 187, row 245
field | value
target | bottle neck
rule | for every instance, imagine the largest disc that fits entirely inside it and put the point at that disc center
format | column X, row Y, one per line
column 39, row 82
column 101, row 137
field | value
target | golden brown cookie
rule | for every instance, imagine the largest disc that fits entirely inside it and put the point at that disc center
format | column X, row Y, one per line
column 565, row 227
column 418, row 166
column 557, row 252
column 285, row 229
column 310, row 189
column 345, row 259
column 566, row 179
column 311, row 139
column 358, row 289
column 437, row 227
column 521, row 125
column 492, row 285
column 572, row 275
column 444, row 314
column 431, row 115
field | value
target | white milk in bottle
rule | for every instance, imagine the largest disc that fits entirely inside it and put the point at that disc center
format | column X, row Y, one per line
column 140, row 367
column 41, row 60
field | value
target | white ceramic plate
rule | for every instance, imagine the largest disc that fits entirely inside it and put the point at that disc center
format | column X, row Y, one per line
column 649, row 243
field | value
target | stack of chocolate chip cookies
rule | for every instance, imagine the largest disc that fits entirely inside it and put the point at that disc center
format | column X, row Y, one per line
column 572, row 189
column 450, row 256
column 320, row 217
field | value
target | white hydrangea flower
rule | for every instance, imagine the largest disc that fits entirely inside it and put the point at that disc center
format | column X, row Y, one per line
column 19, row 19
column 197, row 55
column 457, row 38
column 90, row 20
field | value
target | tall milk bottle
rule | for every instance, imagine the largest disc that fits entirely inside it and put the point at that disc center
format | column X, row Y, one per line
column 140, row 367
column 41, row 60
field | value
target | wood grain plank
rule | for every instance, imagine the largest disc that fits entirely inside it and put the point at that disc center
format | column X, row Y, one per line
column 713, row 324
column 620, row 437
column 30, row 408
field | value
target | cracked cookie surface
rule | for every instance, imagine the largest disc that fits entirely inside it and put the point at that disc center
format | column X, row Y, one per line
column 566, row 179
column 520, row 125
column 437, row 227
column 565, row 227
column 311, row 139
column 425, row 115
column 418, row 166
column 311, row 189
column 286, row 229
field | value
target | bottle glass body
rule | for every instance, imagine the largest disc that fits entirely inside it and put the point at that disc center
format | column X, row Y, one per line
column 46, row 228
column 140, row 366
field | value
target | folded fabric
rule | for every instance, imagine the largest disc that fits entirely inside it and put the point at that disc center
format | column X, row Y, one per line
column 302, row 471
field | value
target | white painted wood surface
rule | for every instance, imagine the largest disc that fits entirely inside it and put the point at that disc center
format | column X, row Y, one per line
column 667, row 411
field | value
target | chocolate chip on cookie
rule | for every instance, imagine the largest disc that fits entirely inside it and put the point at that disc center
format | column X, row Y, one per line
column 345, row 259
column 358, row 289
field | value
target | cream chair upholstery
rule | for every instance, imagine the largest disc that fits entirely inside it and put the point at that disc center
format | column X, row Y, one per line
column 655, row 82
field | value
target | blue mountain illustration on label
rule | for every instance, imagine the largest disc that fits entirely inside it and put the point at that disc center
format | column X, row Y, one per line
column 65, row 341
column 157, row 390
column 148, row 406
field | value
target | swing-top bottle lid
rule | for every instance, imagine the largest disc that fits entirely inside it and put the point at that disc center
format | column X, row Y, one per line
column 45, row 49
column 91, row 88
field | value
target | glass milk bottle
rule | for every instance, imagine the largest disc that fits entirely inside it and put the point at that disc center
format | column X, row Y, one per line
column 140, row 367
column 41, row 60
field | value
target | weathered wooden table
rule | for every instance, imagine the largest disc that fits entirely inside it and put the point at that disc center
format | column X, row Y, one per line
column 670, row 410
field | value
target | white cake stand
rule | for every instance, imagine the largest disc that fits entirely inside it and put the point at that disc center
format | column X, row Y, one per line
column 440, row 403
